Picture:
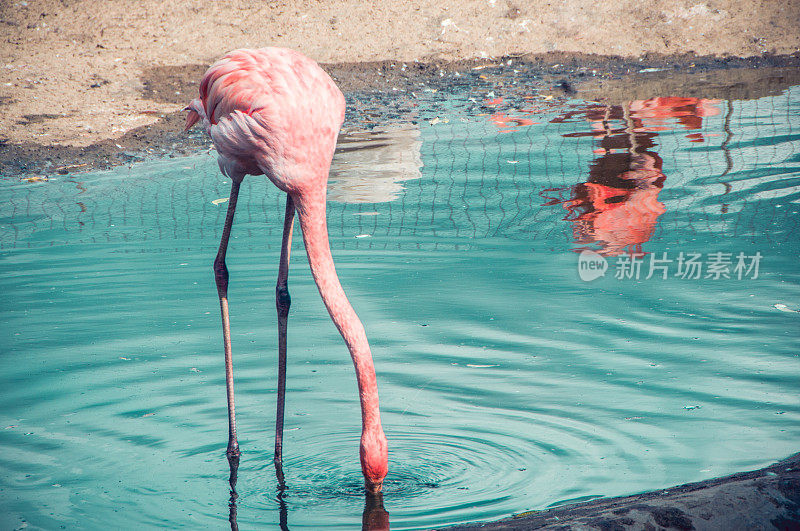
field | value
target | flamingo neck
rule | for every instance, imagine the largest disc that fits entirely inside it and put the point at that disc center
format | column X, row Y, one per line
column 315, row 235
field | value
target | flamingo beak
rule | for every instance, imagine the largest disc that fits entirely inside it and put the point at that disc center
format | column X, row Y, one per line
column 191, row 118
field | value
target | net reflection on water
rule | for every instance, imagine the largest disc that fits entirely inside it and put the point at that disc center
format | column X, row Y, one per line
column 711, row 164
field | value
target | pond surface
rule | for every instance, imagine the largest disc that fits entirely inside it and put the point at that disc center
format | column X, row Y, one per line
column 508, row 382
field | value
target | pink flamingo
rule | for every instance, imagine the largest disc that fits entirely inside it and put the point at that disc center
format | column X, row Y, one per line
column 275, row 112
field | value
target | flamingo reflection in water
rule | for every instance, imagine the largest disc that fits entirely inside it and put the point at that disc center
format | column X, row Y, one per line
column 617, row 208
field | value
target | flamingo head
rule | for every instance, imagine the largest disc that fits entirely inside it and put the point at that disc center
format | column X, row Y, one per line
column 196, row 112
column 374, row 459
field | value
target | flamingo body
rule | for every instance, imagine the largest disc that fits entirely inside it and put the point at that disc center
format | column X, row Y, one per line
column 275, row 112
column 271, row 111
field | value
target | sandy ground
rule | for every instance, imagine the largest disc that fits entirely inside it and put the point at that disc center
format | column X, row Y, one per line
column 74, row 72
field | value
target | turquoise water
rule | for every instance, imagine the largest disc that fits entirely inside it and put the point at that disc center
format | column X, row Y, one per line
column 507, row 382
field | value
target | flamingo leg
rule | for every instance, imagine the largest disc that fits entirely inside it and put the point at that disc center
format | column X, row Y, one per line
column 282, row 302
column 221, row 277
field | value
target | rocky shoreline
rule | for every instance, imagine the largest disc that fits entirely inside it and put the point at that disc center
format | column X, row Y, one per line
column 768, row 498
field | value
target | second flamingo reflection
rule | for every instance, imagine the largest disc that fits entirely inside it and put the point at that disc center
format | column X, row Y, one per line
column 275, row 112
